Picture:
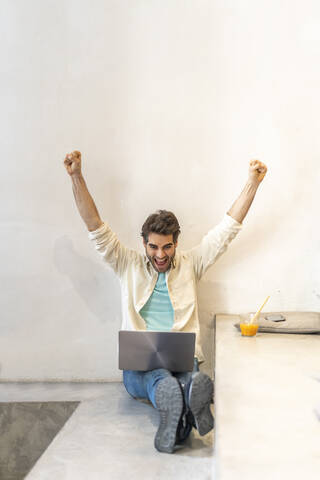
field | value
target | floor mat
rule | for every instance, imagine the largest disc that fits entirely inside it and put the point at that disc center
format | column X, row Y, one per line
column 27, row 429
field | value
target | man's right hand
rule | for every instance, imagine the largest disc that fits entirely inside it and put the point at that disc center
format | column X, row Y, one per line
column 72, row 162
column 84, row 201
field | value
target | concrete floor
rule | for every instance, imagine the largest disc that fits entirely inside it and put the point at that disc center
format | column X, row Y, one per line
column 109, row 435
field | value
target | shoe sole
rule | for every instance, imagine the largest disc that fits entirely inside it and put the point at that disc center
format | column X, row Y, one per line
column 169, row 402
column 200, row 398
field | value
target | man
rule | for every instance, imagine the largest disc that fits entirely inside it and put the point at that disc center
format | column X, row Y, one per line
column 159, row 293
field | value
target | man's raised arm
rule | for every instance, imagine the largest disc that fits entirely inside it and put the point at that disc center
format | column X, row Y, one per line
column 84, row 201
column 239, row 209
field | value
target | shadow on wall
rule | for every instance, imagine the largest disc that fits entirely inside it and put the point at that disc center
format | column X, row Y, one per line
column 96, row 284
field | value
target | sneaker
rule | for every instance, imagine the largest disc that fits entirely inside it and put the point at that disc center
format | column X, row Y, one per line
column 169, row 401
column 184, row 429
column 199, row 398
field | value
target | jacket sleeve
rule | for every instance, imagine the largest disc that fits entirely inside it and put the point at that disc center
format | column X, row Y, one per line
column 214, row 244
column 112, row 251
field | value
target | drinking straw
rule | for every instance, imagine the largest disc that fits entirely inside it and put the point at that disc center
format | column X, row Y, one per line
column 257, row 314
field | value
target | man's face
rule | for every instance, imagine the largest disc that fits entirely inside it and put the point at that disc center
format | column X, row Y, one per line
column 160, row 250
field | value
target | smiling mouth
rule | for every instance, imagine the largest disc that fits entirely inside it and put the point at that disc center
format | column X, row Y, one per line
column 160, row 263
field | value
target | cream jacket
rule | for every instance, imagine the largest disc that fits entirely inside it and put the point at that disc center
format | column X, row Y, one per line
column 138, row 277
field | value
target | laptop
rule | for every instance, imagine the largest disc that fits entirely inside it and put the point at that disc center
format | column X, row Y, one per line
column 147, row 350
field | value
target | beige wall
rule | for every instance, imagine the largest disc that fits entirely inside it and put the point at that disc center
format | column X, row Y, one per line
column 168, row 100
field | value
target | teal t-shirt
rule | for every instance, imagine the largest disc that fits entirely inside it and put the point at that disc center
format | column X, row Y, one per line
column 158, row 312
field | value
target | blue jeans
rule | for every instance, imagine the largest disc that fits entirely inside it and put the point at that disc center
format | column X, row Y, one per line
column 144, row 384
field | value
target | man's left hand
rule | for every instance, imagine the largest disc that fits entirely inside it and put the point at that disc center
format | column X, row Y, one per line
column 257, row 171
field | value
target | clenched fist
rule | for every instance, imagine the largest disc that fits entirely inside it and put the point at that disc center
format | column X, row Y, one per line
column 257, row 171
column 72, row 162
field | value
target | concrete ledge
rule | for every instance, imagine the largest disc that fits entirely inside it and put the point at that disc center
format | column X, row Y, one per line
column 267, row 404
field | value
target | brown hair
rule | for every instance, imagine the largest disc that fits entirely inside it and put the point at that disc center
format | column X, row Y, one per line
column 163, row 223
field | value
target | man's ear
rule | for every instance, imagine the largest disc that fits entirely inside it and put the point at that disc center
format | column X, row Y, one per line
column 144, row 242
column 176, row 244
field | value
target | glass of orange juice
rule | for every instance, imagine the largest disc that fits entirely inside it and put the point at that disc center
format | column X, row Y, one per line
column 247, row 328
